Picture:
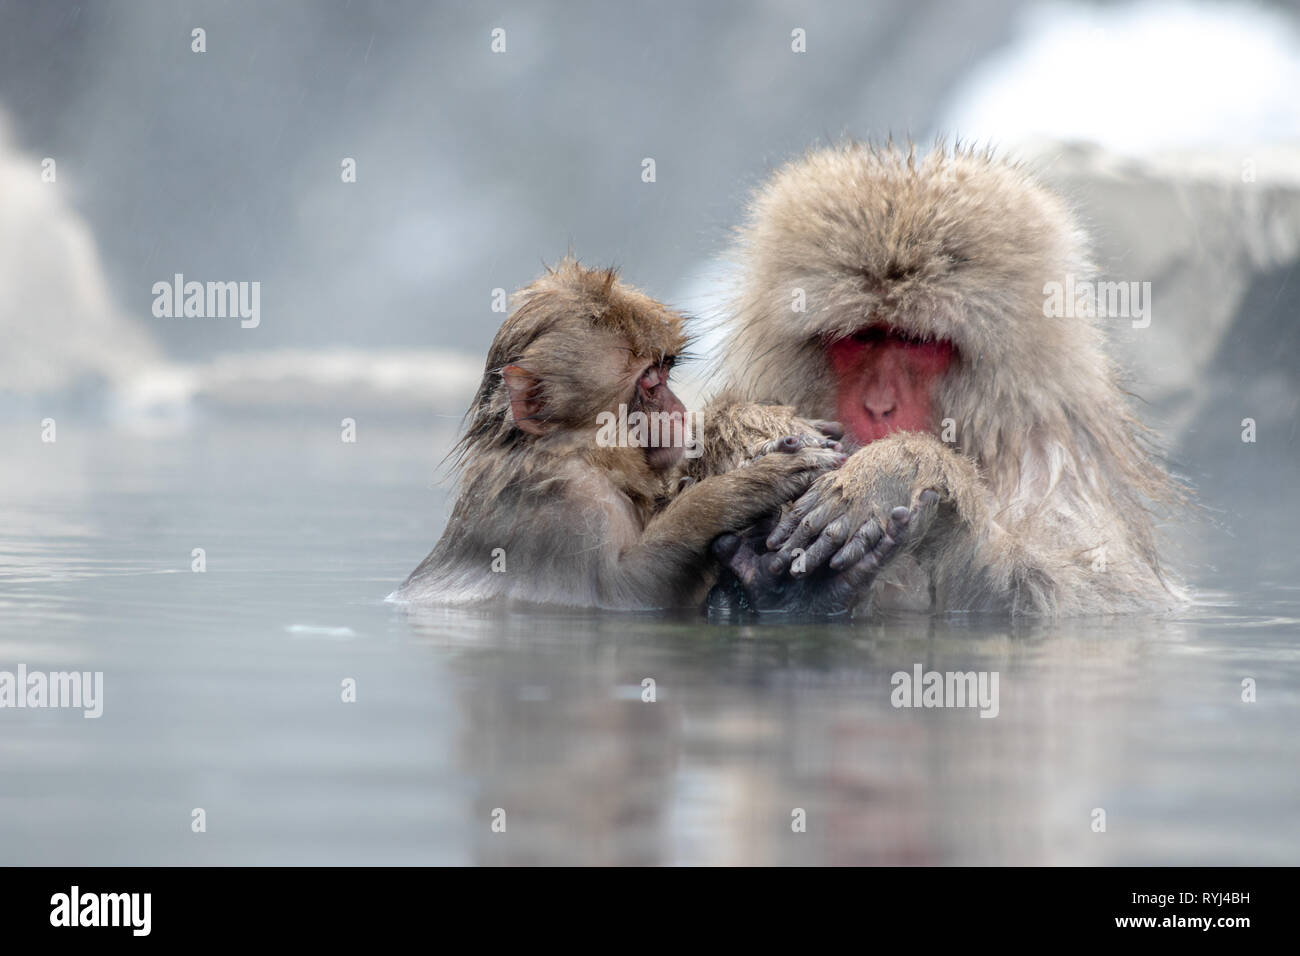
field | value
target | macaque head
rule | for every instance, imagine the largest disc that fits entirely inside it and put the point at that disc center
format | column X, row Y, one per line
column 581, row 348
column 892, row 291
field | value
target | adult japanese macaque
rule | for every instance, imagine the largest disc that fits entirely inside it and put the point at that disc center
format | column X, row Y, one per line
column 567, row 465
column 996, row 464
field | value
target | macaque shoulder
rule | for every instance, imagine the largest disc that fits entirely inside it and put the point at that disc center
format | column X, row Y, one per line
column 592, row 504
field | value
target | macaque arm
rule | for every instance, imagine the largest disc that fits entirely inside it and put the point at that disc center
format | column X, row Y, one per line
column 672, row 553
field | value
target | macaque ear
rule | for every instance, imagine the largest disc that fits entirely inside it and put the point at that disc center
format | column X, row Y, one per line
column 525, row 390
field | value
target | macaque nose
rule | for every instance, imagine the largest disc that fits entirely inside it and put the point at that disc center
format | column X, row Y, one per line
column 881, row 408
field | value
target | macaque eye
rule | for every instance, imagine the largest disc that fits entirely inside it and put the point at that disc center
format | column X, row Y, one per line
column 655, row 375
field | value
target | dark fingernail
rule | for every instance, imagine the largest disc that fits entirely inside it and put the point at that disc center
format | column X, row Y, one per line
column 929, row 496
column 900, row 515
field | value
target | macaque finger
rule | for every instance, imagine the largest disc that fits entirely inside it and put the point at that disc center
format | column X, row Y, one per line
column 809, row 528
column 800, row 524
column 785, row 445
column 842, row 592
column 899, row 518
column 924, row 504
column 790, row 519
column 896, row 533
column 924, row 509
column 745, row 582
column 828, row 543
column 856, row 548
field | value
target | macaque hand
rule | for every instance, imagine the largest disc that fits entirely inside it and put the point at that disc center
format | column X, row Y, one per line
column 748, row 583
column 787, row 444
column 882, row 503
column 794, row 462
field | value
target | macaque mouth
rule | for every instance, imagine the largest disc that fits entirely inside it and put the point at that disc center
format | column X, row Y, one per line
column 886, row 379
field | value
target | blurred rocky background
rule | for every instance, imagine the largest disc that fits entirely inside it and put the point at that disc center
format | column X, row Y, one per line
column 1172, row 126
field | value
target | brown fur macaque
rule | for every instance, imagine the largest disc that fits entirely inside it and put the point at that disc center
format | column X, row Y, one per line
column 997, row 465
column 559, row 504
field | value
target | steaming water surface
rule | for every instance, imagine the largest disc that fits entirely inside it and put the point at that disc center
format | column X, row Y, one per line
column 222, row 690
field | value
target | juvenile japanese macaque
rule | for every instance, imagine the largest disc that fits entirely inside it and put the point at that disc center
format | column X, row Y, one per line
column 998, row 466
column 565, row 469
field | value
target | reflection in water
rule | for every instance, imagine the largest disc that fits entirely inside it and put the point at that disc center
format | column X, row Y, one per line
column 753, row 722
column 222, row 692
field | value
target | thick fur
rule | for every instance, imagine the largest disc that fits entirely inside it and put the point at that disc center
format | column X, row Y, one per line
column 733, row 433
column 1051, row 475
column 553, row 517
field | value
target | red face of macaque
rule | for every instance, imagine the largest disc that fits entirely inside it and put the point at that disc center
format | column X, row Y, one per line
column 654, row 397
column 885, row 382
